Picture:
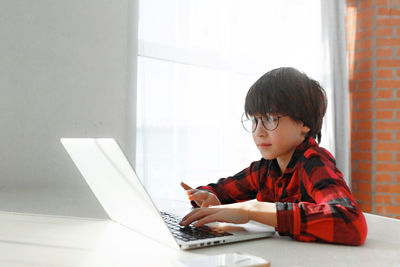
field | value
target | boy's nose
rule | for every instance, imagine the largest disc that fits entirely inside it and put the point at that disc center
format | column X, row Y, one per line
column 260, row 130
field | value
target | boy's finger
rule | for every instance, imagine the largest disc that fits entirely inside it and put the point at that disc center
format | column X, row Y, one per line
column 185, row 186
column 206, row 203
column 208, row 219
column 195, row 194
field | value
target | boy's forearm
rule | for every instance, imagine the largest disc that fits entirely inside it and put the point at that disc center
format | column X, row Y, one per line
column 263, row 212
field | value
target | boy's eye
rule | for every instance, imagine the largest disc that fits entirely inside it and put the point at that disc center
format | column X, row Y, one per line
column 269, row 119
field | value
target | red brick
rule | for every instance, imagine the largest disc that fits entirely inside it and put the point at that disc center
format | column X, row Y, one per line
column 368, row 23
column 397, row 199
column 398, row 93
column 387, row 188
column 361, row 35
column 398, row 157
column 367, row 197
column 384, row 73
column 384, row 32
column 384, row 52
column 384, row 114
column 353, row 125
column 387, row 63
column 398, row 136
column 388, row 209
column 382, row 2
column 384, row 177
column 398, row 114
column 383, row 146
column 363, row 54
column 361, row 155
column 387, row 22
column 364, row 64
column 387, row 125
column 388, row 167
column 388, row 84
column 364, row 125
column 384, row 93
column 384, row 136
column 364, row 187
column 359, row 115
column 364, row 104
column 363, row 75
column 364, row 145
column 384, row 156
column 364, row 166
column 361, row 94
column 398, row 32
column 365, row 4
column 384, row 42
column 353, row 107
column 398, row 178
column 364, row 44
column 362, row 85
column 353, row 185
column 365, row 14
column 383, row 104
column 383, row 11
column 383, row 199
column 361, row 176
column 352, row 85
column 361, row 135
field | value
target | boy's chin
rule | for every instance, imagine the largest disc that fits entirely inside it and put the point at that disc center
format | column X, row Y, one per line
column 268, row 157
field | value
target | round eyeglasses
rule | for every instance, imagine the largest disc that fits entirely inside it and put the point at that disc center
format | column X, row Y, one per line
column 269, row 122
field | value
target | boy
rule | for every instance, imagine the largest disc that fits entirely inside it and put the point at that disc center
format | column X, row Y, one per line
column 298, row 187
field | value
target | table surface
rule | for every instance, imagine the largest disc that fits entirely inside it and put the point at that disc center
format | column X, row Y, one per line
column 40, row 240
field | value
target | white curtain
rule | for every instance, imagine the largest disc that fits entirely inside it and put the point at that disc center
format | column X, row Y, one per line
column 197, row 60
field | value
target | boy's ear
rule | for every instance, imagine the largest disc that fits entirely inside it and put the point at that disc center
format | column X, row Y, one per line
column 305, row 129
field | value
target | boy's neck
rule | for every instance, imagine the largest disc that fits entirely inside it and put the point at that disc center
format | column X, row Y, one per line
column 284, row 161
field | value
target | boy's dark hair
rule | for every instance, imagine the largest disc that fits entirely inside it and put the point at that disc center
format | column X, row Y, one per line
column 287, row 91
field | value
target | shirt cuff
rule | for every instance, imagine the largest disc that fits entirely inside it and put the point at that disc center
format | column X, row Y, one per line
column 288, row 218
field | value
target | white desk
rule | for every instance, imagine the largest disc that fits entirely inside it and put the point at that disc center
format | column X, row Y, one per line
column 37, row 240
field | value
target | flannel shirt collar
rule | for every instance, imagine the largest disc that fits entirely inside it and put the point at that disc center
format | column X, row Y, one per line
column 299, row 151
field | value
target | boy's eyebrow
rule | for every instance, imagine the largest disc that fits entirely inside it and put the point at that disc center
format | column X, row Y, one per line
column 273, row 114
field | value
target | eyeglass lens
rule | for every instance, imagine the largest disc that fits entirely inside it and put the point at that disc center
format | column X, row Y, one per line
column 250, row 123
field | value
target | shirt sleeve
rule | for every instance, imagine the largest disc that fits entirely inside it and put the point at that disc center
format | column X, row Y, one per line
column 239, row 187
column 333, row 218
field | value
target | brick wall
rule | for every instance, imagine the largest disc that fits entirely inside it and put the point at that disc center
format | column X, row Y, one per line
column 373, row 42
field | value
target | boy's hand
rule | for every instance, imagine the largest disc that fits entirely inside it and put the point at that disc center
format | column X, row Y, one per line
column 230, row 213
column 201, row 197
column 263, row 212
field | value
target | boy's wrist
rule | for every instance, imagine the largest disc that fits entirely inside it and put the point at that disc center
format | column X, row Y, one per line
column 263, row 212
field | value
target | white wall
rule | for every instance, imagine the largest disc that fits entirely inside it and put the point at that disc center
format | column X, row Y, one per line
column 67, row 69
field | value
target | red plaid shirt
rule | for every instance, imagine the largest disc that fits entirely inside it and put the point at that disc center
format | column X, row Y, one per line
column 312, row 200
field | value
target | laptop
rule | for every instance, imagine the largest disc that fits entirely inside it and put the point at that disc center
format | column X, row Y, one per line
column 119, row 190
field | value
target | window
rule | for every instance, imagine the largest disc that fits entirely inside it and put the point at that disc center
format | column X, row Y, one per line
column 197, row 60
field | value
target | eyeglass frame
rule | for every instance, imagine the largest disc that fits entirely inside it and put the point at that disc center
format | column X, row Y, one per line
column 262, row 122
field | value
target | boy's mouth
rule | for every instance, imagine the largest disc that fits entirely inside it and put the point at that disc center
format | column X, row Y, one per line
column 263, row 145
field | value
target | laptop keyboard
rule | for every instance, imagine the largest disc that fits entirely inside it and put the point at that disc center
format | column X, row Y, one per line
column 190, row 232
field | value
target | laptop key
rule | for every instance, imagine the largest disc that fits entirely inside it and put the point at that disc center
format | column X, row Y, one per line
column 189, row 233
